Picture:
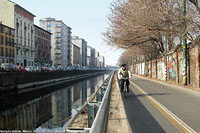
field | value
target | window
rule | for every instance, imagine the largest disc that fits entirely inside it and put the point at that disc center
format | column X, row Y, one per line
column 15, row 9
column 2, row 41
column 18, row 10
column 10, row 52
column 21, row 22
column 10, row 41
column 2, row 51
column 13, row 42
column 25, row 28
column 17, row 51
column 1, row 28
column 6, row 40
column 6, row 52
column 13, row 53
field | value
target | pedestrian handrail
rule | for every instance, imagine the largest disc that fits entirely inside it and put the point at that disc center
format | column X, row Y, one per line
column 101, row 120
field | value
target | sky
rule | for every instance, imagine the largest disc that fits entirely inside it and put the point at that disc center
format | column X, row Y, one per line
column 87, row 18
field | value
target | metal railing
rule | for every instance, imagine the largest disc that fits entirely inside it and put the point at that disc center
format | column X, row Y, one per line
column 98, row 119
column 101, row 120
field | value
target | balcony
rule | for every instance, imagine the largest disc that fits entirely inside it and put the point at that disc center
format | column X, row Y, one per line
column 58, row 57
column 58, row 36
column 26, row 47
column 58, row 41
column 58, row 51
column 58, row 25
column 58, row 30
column 58, row 47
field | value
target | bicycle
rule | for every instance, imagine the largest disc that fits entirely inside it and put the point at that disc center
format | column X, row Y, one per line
column 125, row 90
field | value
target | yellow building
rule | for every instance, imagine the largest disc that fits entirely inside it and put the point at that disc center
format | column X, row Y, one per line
column 75, row 56
column 6, row 44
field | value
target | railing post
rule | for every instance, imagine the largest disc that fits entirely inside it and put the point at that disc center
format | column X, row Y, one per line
column 92, row 111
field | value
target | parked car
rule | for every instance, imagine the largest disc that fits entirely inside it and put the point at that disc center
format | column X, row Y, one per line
column 37, row 68
column 20, row 68
column 46, row 69
column 8, row 67
column 28, row 68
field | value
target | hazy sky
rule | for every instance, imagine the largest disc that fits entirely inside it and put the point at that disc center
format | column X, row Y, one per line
column 87, row 18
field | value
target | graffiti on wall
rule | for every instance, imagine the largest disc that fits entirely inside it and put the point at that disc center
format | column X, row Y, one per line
column 172, row 67
column 154, row 68
column 181, row 66
column 143, row 68
column 161, row 70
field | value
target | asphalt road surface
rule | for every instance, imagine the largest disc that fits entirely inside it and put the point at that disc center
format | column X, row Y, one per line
column 154, row 107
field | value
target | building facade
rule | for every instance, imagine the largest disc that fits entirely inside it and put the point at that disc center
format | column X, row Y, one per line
column 75, row 56
column 61, row 41
column 82, row 44
column 7, row 52
column 20, row 19
column 97, row 65
column 102, row 61
column 90, row 57
column 42, row 47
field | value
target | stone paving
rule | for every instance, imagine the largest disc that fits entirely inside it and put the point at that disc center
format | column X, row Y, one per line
column 117, row 121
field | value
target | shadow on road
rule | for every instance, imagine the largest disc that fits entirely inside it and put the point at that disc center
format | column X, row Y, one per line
column 142, row 95
column 140, row 120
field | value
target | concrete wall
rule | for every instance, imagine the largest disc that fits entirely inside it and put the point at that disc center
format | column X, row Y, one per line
column 10, row 80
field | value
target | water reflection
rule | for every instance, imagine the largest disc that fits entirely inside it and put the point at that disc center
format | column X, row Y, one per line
column 50, row 112
column 27, row 116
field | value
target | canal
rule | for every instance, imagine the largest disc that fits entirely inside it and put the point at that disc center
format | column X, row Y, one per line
column 47, row 109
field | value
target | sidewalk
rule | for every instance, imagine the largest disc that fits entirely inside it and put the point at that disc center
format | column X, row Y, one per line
column 117, row 120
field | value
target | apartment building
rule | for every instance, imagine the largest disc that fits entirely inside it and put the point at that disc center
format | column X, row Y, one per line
column 61, row 41
column 20, row 19
column 75, row 56
column 42, row 47
column 90, row 57
column 97, row 65
column 102, row 61
column 7, row 52
column 82, row 44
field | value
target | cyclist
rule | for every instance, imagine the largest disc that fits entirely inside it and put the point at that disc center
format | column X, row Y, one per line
column 124, row 75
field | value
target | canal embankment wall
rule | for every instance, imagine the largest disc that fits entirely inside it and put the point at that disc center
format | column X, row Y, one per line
column 14, row 80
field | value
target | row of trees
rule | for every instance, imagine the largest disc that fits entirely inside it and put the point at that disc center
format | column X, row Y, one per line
column 146, row 28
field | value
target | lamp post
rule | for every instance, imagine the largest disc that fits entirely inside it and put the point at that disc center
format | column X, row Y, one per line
column 184, row 44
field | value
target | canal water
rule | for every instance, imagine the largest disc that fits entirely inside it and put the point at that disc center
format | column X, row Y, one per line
column 47, row 112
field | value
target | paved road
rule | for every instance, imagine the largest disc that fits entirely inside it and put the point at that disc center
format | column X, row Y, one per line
column 155, row 107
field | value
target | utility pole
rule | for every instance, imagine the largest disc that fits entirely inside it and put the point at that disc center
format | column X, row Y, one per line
column 184, row 44
column 165, row 59
column 133, row 69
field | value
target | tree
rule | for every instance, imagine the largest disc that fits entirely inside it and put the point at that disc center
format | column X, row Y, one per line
column 147, row 25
